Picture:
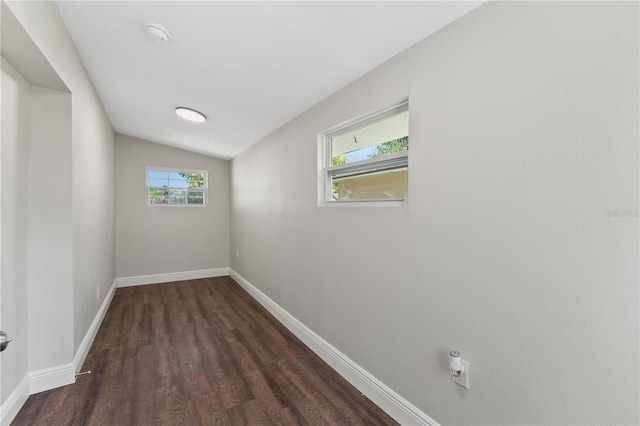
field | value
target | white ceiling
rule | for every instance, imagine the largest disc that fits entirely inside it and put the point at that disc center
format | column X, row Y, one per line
column 249, row 66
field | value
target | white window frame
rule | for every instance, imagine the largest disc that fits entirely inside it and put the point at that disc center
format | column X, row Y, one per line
column 205, row 190
column 382, row 163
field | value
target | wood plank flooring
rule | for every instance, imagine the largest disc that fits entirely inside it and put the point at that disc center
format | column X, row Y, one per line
column 199, row 352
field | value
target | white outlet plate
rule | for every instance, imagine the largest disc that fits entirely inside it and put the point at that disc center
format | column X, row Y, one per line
column 463, row 380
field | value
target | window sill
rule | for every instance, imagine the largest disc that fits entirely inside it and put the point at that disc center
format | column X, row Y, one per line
column 175, row 205
column 397, row 202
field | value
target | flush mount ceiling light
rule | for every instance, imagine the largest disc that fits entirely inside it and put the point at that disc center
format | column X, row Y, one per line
column 191, row 114
column 157, row 33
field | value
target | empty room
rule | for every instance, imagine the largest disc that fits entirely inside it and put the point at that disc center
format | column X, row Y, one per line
column 320, row 212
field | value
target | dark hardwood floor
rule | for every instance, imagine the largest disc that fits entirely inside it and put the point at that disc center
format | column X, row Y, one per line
column 199, row 352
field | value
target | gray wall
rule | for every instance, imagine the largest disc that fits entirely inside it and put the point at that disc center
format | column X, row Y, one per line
column 156, row 240
column 518, row 244
column 87, row 228
column 92, row 162
column 16, row 98
column 50, row 230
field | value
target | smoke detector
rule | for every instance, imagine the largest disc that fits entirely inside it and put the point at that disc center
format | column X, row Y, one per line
column 157, row 33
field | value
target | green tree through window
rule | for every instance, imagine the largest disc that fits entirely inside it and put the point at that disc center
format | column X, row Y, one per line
column 196, row 181
column 397, row 145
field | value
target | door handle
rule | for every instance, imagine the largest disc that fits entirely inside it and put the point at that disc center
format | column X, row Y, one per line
column 4, row 340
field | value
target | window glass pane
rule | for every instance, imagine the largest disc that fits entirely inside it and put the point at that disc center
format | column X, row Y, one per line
column 195, row 197
column 176, row 187
column 158, row 174
column 386, row 136
column 177, row 197
column 176, row 180
column 158, row 196
column 196, row 180
column 387, row 184
column 158, row 182
column 178, row 183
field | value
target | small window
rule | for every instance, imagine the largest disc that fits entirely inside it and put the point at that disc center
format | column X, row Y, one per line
column 367, row 160
column 167, row 187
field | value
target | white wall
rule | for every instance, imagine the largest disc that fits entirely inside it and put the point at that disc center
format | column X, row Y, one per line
column 154, row 240
column 518, row 244
column 16, row 100
column 57, row 203
column 49, row 234
column 92, row 163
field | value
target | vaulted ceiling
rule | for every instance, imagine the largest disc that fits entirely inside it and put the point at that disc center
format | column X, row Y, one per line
column 250, row 67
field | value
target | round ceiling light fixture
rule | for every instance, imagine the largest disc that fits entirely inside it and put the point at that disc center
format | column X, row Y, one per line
column 191, row 114
column 157, row 33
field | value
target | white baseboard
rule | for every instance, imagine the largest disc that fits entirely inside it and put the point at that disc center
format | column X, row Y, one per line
column 51, row 378
column 393, row 404
column 12, row 405
column 170, row 277
column 85, row 345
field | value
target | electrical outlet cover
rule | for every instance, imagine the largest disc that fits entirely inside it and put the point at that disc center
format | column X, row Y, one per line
column 463, row 380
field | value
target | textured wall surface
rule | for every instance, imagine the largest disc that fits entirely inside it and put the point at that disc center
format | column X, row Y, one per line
column 162, row 239
column 518, row 244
